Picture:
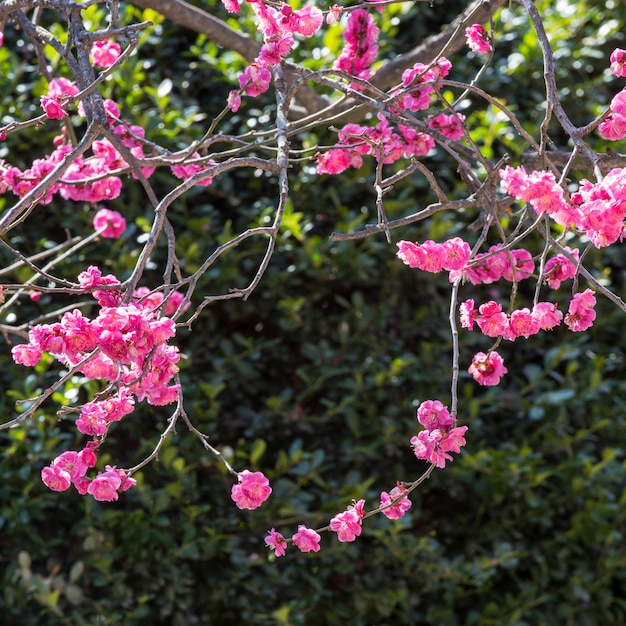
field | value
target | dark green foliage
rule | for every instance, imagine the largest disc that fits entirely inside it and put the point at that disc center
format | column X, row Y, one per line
column 315, row 380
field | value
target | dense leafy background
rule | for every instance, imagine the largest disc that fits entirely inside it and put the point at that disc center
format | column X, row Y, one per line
column 315, row 381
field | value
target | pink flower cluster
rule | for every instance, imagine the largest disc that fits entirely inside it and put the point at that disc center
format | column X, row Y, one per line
column 347, row 524
column 125, row 345
column 361, row 48
column 452, row 255
column 419, row 83
column 440, row 435
column 70, row 468
column 596, row 209
column 494, row 322
column 478, row 39
column 356, row 141
column 88, row 179
column 278, row 23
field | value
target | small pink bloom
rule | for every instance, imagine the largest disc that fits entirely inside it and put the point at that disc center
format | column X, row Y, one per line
column 478, row 39
column 560, row 268
column 277, row 542
column 492, row 321
column 112, row 222
column 72, row 463
column 454, row 440
column 255, row 80
column 306, row 539
column 521, row 324
column 105, row 53
column 468, row 314
column 234, row 100
column 448, row 125
column 397, row 510
column 26, row 354
column 253, row 489
column 547, row 315
column 618, row 62
column 457, row 253
column 232, row 6
column 56, row 478
column 52, row 108
column 614, row 127
column 104, row 487
column 432, row 415
column 581, row 313
column 487, row 369
column 347, row 525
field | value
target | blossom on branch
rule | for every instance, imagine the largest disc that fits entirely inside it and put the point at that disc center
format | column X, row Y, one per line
column 252, row 490
column 487, row 369
column 478, row 39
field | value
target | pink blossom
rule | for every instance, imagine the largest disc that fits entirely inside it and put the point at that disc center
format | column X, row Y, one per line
column 277, row 542
column 105, row 486
column 492, row 321
column 448, row 125
column 613, row 127
column 432, row 415
column 105, row 53
column 52, row 108
column 560, row 268
column 93, row 419
column 478, row 39
column 255, row 80
column 581, row 313
column 72, row 463
column 487, row 369
column 112, row 222
column 306, row 539
column 399, row 508
column 522, row 323
column 547, row 315
column 522, row 262
column 618, row 62
column 618, row 103
column 361, row 48
column 253, row 489
column 457, row 253
column 468, row 314
column 337, row 160
column 347, row 525
column 232, row 6
column 59, row 87
column 26, row 354
column 234, row 100
column 56, row 478
column 334, row 13
column 307, row 20
column 454, row 440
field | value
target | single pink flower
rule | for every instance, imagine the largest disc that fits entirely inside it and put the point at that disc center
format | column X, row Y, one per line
column 468, row 314
column 581, row 313
column 306, row 539
column 618, row 62
column 547, row 315
column 399, row 508
column 52, row 108
column 432, row 415
column 487, row 369
column 253, row 489
column 104, row 487
column 113, row 223
column 276, row 542
column 478, row 40
column 347, row 525
column 56, row 478
column 105, row 53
